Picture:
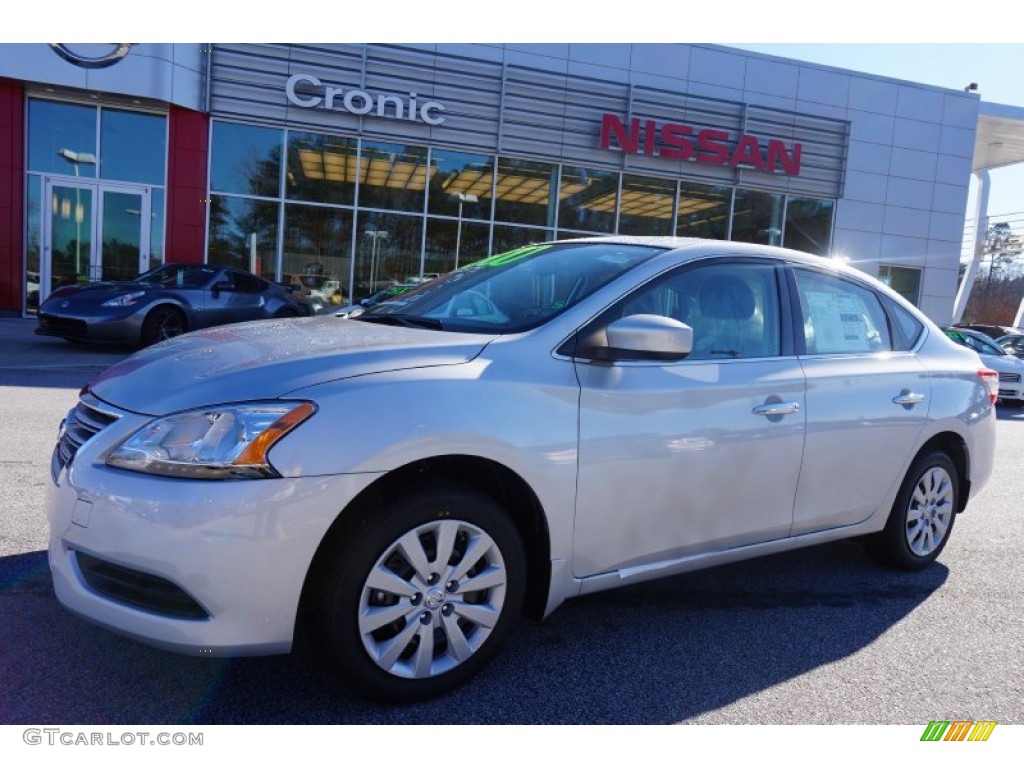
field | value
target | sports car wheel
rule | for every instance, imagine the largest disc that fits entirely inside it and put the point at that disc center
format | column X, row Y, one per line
column 922, row 517
column 419, row 598
column 162, row 323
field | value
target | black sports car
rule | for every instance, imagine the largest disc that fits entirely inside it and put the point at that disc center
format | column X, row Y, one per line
column 164, row 302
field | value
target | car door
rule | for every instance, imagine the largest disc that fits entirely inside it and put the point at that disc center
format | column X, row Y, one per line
column 234, row 297
column 701, row 454
column 867, row 400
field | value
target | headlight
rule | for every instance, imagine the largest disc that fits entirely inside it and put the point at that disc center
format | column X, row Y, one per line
column 124, row 301
column 221, row 443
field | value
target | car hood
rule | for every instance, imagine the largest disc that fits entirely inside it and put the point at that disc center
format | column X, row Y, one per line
column 269, row 358
column 98, row 292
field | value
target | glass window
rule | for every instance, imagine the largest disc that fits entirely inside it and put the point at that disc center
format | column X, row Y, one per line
column 321, row 168
column 61, row 138
column 453, row 244
column 461, row 184
column 524, row 192
column 703, row 211
column 388, row 248
column 245, row 159
column 318, row 251
column 33, row 279
column 506, row 238
column 732, row 307
column 839, row 316
column 646, row 206
column 906, row 281
column 906, row 328
column 757, row 217
column 809, row 225
column 393, row 177
column 133, row 146
column 156, row 230
column 243, row 234
column 587, row 199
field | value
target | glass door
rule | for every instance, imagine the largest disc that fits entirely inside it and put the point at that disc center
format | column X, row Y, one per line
column 69, row 234
column 94, row 231
column 124, row 221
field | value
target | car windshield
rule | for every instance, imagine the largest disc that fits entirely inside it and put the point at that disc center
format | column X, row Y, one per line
column 179, row 275
column 514, row 291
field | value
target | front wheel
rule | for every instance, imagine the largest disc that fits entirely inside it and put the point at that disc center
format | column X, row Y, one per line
column 162, row 323
column 922, row 516
column 417, row 599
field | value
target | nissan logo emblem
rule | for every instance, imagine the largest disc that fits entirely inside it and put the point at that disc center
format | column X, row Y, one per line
column 92, row 55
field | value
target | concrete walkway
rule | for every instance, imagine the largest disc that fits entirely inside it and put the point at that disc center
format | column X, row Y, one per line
column 22, row 350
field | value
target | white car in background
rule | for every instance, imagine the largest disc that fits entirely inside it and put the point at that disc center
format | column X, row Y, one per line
column 400, row 486
column 1009, row 367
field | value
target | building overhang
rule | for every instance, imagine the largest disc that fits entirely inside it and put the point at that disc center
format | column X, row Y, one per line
column 999, row 140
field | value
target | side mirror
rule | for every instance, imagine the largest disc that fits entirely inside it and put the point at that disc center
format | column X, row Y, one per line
column 647, row 337
column 222, row 285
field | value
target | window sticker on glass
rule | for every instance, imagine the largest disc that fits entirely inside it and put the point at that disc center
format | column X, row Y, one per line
column 839, row 321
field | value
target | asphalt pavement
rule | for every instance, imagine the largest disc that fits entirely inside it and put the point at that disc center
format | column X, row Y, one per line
column 22, row 350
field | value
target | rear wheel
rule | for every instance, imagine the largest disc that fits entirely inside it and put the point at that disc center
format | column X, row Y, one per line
column 162, row 323
column 419, row 597
column 922, row 516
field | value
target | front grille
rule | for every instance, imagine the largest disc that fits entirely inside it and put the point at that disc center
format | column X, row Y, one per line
column 1010, row 378
column 83, row 422
column 63, row 326
column 137, row 589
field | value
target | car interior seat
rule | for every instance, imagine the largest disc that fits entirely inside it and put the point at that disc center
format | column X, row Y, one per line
column 729, row 325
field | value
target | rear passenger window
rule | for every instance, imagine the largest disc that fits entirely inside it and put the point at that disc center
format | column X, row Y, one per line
column 906, row 329
column 839, row 316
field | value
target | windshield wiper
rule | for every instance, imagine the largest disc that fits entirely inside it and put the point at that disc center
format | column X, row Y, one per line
column 407, row 321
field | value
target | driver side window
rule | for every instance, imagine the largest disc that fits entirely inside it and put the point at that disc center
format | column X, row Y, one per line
column 733, row 308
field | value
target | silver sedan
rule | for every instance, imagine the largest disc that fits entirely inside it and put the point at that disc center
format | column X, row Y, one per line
column 400, row 486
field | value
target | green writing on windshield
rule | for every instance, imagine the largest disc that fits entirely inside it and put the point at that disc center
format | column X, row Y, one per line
column 500, row 259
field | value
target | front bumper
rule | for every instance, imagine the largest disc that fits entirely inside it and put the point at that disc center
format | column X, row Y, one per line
column 198, row 567
column 95, row 326
column 1011, row 386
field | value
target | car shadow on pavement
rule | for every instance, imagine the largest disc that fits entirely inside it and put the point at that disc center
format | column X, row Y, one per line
column 667, row 651
column 1010, row 413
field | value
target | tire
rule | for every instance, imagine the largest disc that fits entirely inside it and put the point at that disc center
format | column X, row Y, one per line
column 162, row 323
column 922, row 516
column 400, row 632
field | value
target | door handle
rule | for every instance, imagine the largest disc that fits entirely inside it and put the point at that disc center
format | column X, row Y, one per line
column 776, row 409
column 908, row 398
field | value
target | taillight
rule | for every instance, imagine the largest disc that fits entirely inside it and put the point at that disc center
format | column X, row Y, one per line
column 991, row 381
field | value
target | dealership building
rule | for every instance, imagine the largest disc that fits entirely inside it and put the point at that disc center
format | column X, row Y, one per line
column 348, row 167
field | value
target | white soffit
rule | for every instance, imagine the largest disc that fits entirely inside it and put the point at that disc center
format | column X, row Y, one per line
column 999, row 140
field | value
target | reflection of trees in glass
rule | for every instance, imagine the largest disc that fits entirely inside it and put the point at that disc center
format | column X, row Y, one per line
column 392, row 176
column 757, row 217
column 388, row 248
column 587, row 199
column 524, row 192
column 321, row 168
column 455, row 174
column 809, row 225
column 317, row 247
column 233, row 223
column 703, row 211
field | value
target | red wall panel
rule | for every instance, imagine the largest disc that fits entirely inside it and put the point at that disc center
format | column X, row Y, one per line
column 189, row 134
column 12, row 196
